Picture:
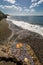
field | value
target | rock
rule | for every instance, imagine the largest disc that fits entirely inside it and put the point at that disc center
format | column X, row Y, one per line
column 2, row 15
column 25, row 35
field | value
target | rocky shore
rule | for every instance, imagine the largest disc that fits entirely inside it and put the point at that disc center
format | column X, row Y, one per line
column 31, row 39
column 18, row 56
column 2, row 15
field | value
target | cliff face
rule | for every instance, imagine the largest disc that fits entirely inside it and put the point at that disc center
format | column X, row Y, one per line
column 2, row 15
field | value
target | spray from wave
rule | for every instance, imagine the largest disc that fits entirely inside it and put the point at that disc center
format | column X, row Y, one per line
column 28, row 26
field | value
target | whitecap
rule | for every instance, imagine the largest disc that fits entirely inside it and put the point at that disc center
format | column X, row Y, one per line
column 28, row 26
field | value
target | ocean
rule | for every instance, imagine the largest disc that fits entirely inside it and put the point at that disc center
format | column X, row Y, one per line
column 31, row 23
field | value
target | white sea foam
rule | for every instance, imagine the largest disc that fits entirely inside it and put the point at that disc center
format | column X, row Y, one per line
column 31, row 27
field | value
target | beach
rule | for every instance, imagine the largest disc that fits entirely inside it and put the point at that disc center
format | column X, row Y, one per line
column 35, row 40
column 25, row 36
column 5, row 32
column 21, row 32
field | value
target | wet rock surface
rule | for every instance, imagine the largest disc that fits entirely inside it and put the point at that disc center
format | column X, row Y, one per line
column 17, row 54
column 34, row 40
column 31, row 39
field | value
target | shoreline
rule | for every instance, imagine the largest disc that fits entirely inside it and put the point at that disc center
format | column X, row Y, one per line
column 35, row 41
column 25, row 36
column 11, row 24
column 13, row 28
column 24, row 25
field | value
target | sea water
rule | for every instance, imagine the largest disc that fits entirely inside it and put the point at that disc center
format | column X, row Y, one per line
column 32, row 23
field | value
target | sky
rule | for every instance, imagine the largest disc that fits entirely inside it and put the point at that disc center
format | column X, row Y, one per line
column 22, row 7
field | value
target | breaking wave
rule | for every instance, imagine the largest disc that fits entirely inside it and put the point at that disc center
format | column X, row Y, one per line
column 28, row 26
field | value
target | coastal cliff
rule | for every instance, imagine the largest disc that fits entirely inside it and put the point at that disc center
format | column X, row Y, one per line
column 2, row 15
column 25, row 39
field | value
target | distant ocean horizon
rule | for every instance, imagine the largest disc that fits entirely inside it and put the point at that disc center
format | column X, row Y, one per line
column 32, row 23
